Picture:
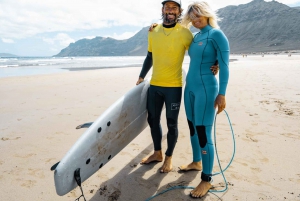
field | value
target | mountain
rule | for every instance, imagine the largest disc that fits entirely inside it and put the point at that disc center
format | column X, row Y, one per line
column 261, row 26
column 257, row 26
column 7, row 55
column 101, row 46
column 297, row 7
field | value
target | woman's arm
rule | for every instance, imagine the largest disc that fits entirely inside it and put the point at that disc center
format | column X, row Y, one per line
column 221, row 44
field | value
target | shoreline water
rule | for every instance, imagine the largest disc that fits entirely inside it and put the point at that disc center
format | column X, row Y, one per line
column 39, row 66
column 35, row 66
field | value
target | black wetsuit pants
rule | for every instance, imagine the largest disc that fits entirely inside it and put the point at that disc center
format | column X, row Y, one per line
column 157, row 97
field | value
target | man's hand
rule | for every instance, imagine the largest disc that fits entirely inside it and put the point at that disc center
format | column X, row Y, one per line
column 139, row 80
column 220, row 102
column 214, row 69
column 152, row 27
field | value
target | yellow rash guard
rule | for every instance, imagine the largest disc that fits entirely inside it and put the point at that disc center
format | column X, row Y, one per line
column 168, row 46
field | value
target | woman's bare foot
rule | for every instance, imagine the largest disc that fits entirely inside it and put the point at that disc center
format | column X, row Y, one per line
column 167, row 166
column 201, row 189
column 155, row 157
column 192, row 166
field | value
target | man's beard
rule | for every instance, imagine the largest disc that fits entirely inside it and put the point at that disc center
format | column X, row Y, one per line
column 170, row 21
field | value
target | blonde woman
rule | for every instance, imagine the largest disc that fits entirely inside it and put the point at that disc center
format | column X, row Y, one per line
column 202, row 92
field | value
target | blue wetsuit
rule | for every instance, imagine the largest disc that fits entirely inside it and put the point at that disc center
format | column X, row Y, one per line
column 201, row 90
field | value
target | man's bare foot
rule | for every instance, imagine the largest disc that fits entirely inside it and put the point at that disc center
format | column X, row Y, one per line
column 167, row 166
column 155, row 157
column 192, row 166
column 201, row 189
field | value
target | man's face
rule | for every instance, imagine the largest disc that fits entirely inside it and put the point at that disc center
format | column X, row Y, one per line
column 170, row 11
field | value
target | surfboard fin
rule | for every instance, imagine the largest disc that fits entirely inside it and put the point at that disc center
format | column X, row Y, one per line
column 85, row 125
column 54, row 166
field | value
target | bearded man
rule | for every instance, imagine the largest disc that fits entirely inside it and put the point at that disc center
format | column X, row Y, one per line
column 167, row 43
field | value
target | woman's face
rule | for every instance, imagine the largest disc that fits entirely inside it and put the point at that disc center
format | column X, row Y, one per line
column 199, row 21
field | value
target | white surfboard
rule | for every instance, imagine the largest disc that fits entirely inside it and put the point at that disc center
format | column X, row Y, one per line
column 104, row 138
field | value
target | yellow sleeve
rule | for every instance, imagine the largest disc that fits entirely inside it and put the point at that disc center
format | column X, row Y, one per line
column 149, row 42
column 187, row 38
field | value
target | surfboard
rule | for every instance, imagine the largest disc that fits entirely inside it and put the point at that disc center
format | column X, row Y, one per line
column 103, row 139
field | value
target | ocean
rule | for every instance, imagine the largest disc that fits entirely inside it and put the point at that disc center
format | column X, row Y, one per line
column 24, row 66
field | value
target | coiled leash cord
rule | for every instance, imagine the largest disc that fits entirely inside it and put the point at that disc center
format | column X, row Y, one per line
column 221, row 170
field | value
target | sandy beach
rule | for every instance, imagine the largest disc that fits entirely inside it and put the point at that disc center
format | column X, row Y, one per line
column 39, row 114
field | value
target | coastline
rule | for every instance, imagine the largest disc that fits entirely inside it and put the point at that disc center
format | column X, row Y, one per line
column 43, row 65
column 39, row 114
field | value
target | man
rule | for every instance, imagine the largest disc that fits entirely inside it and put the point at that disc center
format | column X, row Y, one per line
column 167, row 44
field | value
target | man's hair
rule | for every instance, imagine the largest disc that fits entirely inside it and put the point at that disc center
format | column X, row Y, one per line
column 201, row 8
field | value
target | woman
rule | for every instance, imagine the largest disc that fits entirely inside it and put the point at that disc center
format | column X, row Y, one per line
column 202, row 92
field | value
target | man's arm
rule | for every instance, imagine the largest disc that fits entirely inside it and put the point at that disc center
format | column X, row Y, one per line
column 146, row 67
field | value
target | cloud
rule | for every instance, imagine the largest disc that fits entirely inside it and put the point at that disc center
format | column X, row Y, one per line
column 26, row 18
column 122, row 36
column 62, row 39
column 4, row 40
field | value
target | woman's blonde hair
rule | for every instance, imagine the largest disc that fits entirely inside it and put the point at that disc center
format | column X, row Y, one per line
column 201, row 8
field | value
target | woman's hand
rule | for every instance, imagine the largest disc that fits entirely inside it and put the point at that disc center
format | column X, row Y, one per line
column 220, row 102
column 139, row 80
column 152, row 26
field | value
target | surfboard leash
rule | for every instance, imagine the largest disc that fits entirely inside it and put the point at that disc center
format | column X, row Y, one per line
column 219, row 163
column 78, row 181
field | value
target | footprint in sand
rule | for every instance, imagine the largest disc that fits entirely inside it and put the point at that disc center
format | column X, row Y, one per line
column 290, row 135
column 25, row 156
column 5, row 138
column 73, row 193
column 103, row 190
column 37, row 173
column 59, row 133
column 249, row 137
column 28, row 183
column 256, row 169
column 50, row 159
column 114, row 196
column 244, row 164
column 286, row 107
column 238, row 176
column 261, row 157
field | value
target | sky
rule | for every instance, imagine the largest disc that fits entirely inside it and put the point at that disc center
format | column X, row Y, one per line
column 44, row 28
